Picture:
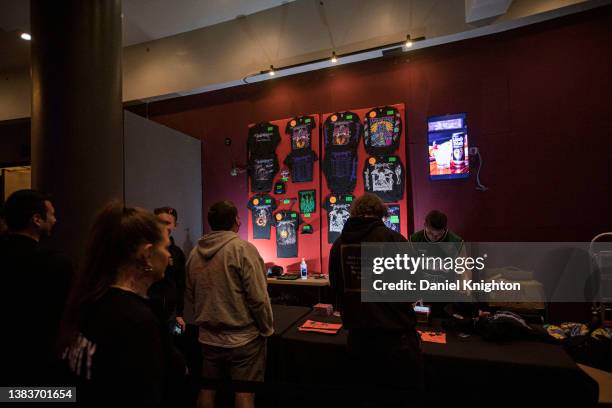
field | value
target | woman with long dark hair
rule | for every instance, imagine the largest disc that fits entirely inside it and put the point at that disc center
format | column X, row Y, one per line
column 116, row 346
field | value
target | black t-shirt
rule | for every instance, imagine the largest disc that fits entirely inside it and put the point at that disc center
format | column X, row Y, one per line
column 384, row 176
column 132, row 358
column 340, row 169
column 301, row 163
column 262, row 170
column 168, row 294
column 342, row 130
column 338, row 208
column 300, row 131
column 263, row 139
column 382, row 130
column 35, row 286
column 393, row 221
column 262, row 206
column 286, row 223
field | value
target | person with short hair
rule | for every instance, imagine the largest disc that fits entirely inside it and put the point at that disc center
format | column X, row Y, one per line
column 168, row 293
column 383, row 344
column 435, row 229
column 226, row 284
column 116, row 346
column 35, row 285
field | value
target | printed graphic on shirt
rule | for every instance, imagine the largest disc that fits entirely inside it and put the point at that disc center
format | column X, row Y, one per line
column 308, row 201
column 262, row 170
column 392, row 221
column 262, row 206
column 279, row 187
column 340, row 169
column 286, row 223
column 382, row 130
column 384, row 176
column 300, row 131
column 342, row 129
column 338, row 208
column 301, row 164
column 263, row 139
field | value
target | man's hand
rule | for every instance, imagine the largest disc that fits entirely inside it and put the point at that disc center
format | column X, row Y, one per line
column 181, row 323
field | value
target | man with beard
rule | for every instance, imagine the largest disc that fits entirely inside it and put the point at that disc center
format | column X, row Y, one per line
column 36, row 282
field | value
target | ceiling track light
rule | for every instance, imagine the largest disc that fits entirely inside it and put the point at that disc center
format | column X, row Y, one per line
column 334, row 58
column 408, row 42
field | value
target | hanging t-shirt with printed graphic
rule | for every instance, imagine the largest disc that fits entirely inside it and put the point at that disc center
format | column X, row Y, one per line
column 262, row 206
column 287, row 223
column 300, row 132
column 392, row 221
column 382, row 130
column 340, row 169
column 308, row 201
column 262, row 170
column 338, row 208
column 384, row 176
column 301, row 164
column 342, row 130
column 263, row 139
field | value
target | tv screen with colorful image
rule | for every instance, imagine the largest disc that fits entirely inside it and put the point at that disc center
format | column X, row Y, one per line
column 448, row 147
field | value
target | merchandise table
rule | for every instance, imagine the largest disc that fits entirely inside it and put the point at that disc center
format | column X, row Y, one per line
column 313, row 367
column 464, row 368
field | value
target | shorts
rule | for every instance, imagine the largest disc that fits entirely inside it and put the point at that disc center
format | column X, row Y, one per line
column 244, row 363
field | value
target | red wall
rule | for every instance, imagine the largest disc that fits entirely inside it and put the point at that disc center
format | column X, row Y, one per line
column 539, row 107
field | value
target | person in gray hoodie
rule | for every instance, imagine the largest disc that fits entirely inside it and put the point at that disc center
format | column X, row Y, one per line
column 226, row 284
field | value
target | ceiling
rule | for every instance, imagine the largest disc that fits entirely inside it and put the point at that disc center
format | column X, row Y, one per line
column 144, row 20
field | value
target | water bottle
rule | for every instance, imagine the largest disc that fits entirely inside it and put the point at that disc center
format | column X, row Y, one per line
column 303, row 269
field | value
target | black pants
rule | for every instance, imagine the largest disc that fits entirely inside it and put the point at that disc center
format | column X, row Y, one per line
column 388, row 363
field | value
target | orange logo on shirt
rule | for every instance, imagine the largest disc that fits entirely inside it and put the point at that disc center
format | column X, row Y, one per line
column 372, row 160
column 334, row 118
column 293, row 123
column 372, row 114
column 256, row 201
column 332, row 199
column 279, row 217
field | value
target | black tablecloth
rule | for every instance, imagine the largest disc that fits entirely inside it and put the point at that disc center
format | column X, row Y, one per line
column 463, row 368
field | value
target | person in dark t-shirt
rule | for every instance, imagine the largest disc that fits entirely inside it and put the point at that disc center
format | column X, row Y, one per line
column 35, row 285
column 168, row 294
column 118, row 350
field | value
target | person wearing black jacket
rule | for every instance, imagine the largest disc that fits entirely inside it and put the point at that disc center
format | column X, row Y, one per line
column 35, row 285
column 383, row 344
column 168, row 294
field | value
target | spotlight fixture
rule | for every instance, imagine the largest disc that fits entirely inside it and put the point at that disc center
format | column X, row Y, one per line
column 408, row 43
column 271, row 72
column 333, row 58
column 26, row 36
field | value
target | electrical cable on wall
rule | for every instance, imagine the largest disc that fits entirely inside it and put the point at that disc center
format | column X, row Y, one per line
column 479, row 185
column 236, row 169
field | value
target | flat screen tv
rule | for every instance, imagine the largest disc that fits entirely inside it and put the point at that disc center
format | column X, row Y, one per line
column 448, row 147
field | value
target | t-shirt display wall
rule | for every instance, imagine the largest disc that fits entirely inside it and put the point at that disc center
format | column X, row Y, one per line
column 364, row 150
column 305, row 172
column 284, row 188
